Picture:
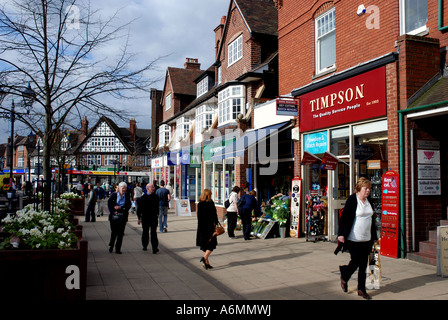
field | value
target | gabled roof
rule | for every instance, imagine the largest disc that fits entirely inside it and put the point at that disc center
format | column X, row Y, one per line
column 182, row 80
column 261, row 16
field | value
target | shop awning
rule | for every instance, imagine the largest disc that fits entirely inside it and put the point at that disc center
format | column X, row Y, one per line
column 309, row 158
column 249, row 139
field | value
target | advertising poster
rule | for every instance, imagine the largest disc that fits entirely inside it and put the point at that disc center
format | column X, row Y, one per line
column 296, row 188
column 390, row 214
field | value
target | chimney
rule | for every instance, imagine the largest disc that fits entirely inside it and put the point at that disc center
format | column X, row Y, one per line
column 192, row 64
column 84, row 127
column 132, row 129
column 218, row 34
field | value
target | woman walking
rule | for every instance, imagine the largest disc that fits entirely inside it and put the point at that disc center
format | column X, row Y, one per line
column 357, row 233
column 119, row 204
column 207, row 220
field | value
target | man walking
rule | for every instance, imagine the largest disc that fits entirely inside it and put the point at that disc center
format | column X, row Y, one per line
column 164, row 200
column 100, row 196
column 147, row 214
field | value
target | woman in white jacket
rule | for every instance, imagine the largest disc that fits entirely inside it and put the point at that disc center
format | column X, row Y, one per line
column 232, row 212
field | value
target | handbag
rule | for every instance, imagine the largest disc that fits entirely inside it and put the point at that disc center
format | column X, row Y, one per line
column 219, row 229
column 116, row 217
column 227, row 203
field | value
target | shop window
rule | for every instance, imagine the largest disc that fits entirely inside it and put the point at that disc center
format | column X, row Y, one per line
column 340, row 141
column 325, row 41
column 413, row 16
column 208, row 176
column 229, row 176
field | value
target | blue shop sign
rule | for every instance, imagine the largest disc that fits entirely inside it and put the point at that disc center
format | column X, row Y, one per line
column 316, row 143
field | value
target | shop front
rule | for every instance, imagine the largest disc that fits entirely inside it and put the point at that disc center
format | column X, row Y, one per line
column 344, row 136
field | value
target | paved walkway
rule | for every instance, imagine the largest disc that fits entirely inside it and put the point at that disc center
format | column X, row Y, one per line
column 270, row 269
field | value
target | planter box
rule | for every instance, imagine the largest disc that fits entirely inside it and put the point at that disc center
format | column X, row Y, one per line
column 27, row 275
column 77, row 206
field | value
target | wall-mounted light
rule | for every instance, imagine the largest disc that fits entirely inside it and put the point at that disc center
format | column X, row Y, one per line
column 361, row 10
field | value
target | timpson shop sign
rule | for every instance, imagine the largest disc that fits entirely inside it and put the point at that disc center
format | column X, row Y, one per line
column 358, row 98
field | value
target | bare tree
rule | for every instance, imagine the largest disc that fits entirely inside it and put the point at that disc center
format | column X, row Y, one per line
column 54, row 45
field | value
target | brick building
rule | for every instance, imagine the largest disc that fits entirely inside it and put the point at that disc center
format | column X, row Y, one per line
column 372, row 89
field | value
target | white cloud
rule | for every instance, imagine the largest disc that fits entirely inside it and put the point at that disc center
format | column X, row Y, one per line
column 176, row 29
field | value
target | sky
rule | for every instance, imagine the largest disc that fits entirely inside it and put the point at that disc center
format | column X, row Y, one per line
column 173, row 29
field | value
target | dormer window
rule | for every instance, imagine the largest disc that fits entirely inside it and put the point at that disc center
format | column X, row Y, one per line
column 202, row 87
column 235, row 50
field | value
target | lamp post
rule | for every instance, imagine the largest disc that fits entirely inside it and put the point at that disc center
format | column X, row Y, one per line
column 29, row 96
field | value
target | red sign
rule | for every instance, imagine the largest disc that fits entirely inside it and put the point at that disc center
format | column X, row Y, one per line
column 309, row 158
column 390, row 214
column 329, row 161
column 358, row 98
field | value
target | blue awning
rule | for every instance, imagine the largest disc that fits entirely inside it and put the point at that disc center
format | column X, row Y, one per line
column 248, row 140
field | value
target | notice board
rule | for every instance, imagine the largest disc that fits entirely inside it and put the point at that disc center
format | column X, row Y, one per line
column 390, row 214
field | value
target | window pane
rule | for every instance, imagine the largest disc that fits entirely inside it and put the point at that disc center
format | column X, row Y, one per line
column 327, row 50
column 416, row 14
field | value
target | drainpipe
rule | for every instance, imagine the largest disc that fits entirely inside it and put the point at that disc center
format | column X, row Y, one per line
column 401, row 114
column 441, row 28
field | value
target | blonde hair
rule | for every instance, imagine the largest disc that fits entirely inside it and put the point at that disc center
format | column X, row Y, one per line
column 363, row 182
column 253, row 193
column 206, row 195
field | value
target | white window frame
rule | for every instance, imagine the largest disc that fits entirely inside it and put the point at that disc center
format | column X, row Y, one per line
column 164, row 134
column 321, row 33
column 235, row 51
column 182, row 127
column 417, row 30
column 168, row 101
column 202, row 87
column 231, row 102
column 204, row 118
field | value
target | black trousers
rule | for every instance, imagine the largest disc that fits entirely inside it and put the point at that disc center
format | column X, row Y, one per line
column 117, row 231
column 231, row 223
column 359, row 257
column 145, row 235
column 246, row 221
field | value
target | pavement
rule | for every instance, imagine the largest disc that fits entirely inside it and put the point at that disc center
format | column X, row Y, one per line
column 287, row 269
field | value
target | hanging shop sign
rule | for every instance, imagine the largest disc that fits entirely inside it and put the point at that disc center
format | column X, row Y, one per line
column 171, row 159
column 157, row 162
column 309, row 158
column 329, row 161
column 287, row 107
column 390, row 214
column 358, row 98
column 296, row 187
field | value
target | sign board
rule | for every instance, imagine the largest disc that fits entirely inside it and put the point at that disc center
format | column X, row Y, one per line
column 296, row 195
column 316, row 143
column 428, row 168
column 309, row 158
column 183, row 207
column 429, row 188
column 390, row 214
column 442, row 251
column 287, row 107
column 358, row 98
column 329, row 161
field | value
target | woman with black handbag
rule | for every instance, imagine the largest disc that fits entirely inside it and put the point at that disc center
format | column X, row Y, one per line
column 232, row 212
column 207, row 222
column 119, row 204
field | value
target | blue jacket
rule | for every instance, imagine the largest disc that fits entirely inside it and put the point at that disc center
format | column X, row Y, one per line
column 250, row 203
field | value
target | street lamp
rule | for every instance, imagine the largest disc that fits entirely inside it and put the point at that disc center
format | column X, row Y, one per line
column 29, row 96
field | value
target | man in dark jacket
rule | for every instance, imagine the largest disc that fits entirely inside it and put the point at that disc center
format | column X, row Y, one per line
column 147, row 214
column 118, row 204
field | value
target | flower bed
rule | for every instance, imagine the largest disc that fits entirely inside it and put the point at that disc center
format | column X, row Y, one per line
column 42, row 255
column 76, row 202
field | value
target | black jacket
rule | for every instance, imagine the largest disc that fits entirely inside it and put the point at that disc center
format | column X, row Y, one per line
column 148, row 208
column 346, row 223
column 112, row 202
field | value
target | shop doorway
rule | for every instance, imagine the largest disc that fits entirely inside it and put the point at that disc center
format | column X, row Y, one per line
column 340, row 190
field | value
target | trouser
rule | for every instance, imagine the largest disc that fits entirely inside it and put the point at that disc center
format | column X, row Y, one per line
column 231, row 223
column 90, row 212
column 99, row 208
column 116, row 235
column 163, row 217
column 359, row 257
column 145, row 235
column 246, row 221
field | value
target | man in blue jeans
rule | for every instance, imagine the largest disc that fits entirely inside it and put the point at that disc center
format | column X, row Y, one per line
column 164, row 200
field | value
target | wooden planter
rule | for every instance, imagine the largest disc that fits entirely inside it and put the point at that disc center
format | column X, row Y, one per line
column 77, row 206
column 28, row 275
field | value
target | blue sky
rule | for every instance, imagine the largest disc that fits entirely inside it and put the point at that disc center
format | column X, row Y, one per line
column 176, row 29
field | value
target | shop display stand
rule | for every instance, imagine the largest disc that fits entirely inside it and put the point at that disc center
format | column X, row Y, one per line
column 316, row 216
